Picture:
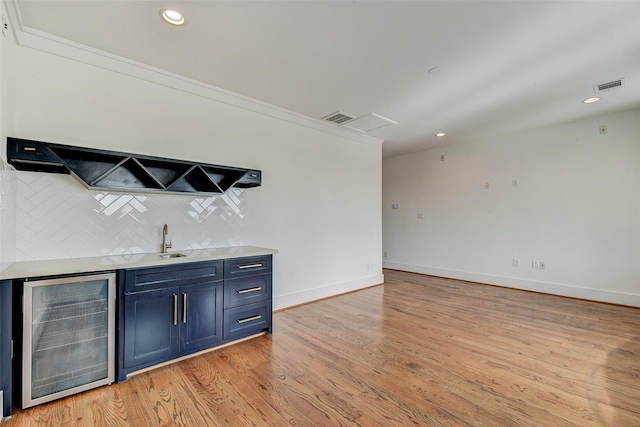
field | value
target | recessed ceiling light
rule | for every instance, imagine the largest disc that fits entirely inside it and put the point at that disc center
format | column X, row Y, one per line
column 591, row 100
column 172, row 16
column 440, row 134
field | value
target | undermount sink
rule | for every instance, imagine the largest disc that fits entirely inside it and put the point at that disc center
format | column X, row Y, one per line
column 173, row 255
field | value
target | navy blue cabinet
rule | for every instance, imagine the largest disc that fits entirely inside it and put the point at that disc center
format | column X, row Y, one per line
column 247, row 296
column 168, row 312
column 172, row 311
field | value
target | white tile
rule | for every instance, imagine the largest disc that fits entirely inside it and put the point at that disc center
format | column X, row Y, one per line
column 58, row 219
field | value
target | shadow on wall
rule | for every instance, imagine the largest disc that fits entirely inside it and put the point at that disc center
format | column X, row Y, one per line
column 611, row 397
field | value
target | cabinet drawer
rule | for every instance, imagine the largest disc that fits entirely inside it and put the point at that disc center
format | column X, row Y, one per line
column 248, row 266
column 246, row 320
column 247, row 290
column 142, row 279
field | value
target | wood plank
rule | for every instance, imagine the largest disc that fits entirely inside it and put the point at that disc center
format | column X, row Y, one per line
column 417, row 350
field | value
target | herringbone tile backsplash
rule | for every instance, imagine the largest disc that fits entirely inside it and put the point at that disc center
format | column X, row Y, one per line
column 7, row 215
column 57, row 217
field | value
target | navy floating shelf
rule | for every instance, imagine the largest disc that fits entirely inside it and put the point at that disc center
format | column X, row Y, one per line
column 112, row 170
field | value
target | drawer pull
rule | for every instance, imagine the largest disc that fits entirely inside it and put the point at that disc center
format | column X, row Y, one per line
column 249, row 319
column 175, row 309
column 244, row 291
column 243, row 267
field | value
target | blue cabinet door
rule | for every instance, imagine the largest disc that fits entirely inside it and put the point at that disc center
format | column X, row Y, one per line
column 151, row 327
column 200, row 316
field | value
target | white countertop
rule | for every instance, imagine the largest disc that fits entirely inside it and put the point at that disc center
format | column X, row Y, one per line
column 24, row 269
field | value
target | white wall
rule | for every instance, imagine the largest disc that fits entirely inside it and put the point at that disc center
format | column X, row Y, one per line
column 319, row 204
column 7, row 176
column 576, row 207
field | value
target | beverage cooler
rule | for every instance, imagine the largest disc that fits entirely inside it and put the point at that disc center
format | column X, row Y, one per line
column 68, row 341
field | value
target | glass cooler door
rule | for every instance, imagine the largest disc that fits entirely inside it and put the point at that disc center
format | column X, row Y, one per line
column 68, row 342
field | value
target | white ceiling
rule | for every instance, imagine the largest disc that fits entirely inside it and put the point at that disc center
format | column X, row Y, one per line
column 507, row 66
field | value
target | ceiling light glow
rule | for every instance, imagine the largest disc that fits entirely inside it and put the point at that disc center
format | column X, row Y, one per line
column 440, row 134
column 172, row 16
column 591, row 100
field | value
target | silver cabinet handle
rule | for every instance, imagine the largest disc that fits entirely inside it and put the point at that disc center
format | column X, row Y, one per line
column 175, row 309
column 242, row 267
column 249, row 319
column 184, row 307
column 244, row 291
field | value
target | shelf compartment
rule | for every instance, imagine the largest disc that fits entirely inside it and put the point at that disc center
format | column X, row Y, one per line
column 74, row 335
column 68, row 311
column 87, row 165
column 164, row 171
column 63, row 368
column 252, row 178
column 130, row 175
column 195, row 180
column 33, row 156
column 223, row 178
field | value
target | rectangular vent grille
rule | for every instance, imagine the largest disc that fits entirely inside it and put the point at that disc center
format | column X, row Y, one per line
column 338, row 118
column 608, row 86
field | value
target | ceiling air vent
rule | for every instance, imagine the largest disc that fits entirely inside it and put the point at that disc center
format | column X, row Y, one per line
column 608, row 86
column 338, row 118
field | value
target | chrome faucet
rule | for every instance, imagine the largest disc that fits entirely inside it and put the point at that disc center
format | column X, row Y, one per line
column 165, row 245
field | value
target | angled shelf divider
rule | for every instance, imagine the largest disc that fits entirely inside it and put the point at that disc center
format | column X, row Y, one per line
column 195, row 180
column 128, row 174
column 165, row 171
column 86, row 164
column 223, row 178
column 102, row 169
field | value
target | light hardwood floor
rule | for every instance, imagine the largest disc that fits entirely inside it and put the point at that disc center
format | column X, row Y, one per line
column 418, row 350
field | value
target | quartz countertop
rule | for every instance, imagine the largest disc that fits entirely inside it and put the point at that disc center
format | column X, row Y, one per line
column 24, row 269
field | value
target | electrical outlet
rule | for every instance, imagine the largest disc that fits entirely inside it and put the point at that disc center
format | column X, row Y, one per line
column 516, row 262
column 386, row 254
column 535, row 264
column 442, row 158
column 486, row 185
column 514, row 183
column 542, row 265
column 603, row 130
column 420, row 216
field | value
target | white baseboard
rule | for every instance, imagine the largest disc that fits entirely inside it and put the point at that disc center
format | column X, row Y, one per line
column 296, row 298
column 599, row 295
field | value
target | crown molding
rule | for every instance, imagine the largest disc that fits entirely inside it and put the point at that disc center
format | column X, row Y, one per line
column 49, row 43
